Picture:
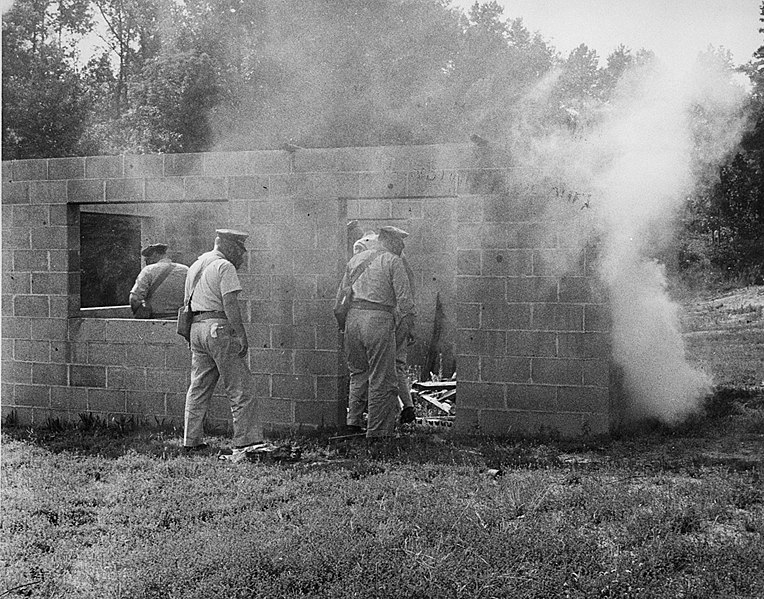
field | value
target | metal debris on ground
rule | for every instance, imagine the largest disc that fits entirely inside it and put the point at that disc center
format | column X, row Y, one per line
column 264, row 452
column 437, row 398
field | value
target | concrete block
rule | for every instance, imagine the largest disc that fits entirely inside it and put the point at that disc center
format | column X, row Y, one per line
column 179, row 356
column 271, row 312
column 468, row 262
column 168, row 189
column 31, row 305
column 429, row 183
column 498, row 236
column 558, row 317
column 575, row 289
column 68, row 398
column 506, row 263
column 131, row 190
column 277, row 411
column 17, row 282
column 49, row 374
column 557, row 371
column 557, row 263
column 16, row 327
column 31, row 396
column 170, row 380
column 481, row 396
column 150, row 331
column 531, row 344
column 144, row 166
column 505, row 369
column 405, row 209
column 536, row 236
column 16, row 238
column 106, row 353
column 112, row 401
column 206, row 189
column 28, row 170
column 140, row 354
column 300, row 387
column 532, row 289
column 476, row 289
column 500, row 315
column 62, row 214
column 29, row 217
column 316, row 262
column 248, row 188
column 530, row 423
column 294, row 337
column 86, row 190
column 222, row 164
column 87, row 329
column 104, row 167
column 597, row 372
column 45, row 283
column 469, row 210
column 66, row 168
column 50, row 329
column 30, row 260
column 144, row 403
column 328, row 337
column 482, row 181
column 597, row 318
column 483, row 343
column 130, row 378
column 175, row 404
column 374, row 209
column 183, row 165
column 271, row 361
column 468, row 315
column 16, row 372
column 87, row 376
column 316, row 413
column 313, row 312
column 382, row 185
column 15, row 192
column 583, row 399
column 584, row 345
column 48, row 192
column 315, row 362
column 531, row 398
column 327, row 388
column 61, row 352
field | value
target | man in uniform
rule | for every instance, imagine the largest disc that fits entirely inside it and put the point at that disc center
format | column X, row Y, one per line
column 370, row 332
column 158, row 290
column 403, row 336
column 219, row 343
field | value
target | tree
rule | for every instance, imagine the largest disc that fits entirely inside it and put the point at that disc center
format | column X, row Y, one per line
column 43, row 103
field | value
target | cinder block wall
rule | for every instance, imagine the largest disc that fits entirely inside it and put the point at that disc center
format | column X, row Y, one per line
column 529, row 340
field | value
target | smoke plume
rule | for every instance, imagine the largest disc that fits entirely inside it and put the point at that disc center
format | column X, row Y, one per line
column 638, row 159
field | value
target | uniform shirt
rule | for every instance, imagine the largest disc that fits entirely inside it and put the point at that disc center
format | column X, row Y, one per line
column 385, row 281
column 168, row 297
column 219, row 277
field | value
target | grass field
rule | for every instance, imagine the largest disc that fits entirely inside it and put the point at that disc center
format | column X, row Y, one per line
column 107, row 512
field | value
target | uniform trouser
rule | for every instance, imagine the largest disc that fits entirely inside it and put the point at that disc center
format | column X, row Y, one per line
column 370, row 349
column 214, row 350
column 401, row 370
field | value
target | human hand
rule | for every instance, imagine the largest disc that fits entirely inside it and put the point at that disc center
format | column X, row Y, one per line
column 244, row 346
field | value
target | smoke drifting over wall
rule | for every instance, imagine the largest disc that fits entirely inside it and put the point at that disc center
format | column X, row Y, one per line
column 662, row 131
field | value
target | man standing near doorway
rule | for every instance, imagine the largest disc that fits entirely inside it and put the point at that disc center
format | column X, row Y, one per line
column 370, row 331
column 219, row 343
column 158, row 290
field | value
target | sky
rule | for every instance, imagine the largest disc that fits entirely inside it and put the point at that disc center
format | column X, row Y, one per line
column 673, row 29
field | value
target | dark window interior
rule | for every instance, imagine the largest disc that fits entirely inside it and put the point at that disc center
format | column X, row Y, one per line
column 110, row 258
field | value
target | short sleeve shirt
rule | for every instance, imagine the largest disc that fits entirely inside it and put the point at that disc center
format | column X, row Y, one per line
column 218, row 278
column 168, row 297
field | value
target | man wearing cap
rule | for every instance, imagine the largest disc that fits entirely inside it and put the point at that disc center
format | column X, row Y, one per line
column 158, row 290
column 370, row 332
column 219, row 343
column 403, row 336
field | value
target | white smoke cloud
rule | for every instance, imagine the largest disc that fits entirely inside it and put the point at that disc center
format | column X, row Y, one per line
column 639, row 163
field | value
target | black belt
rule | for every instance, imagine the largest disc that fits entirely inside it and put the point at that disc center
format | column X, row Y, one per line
column 364, row 305
column 199, row 316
